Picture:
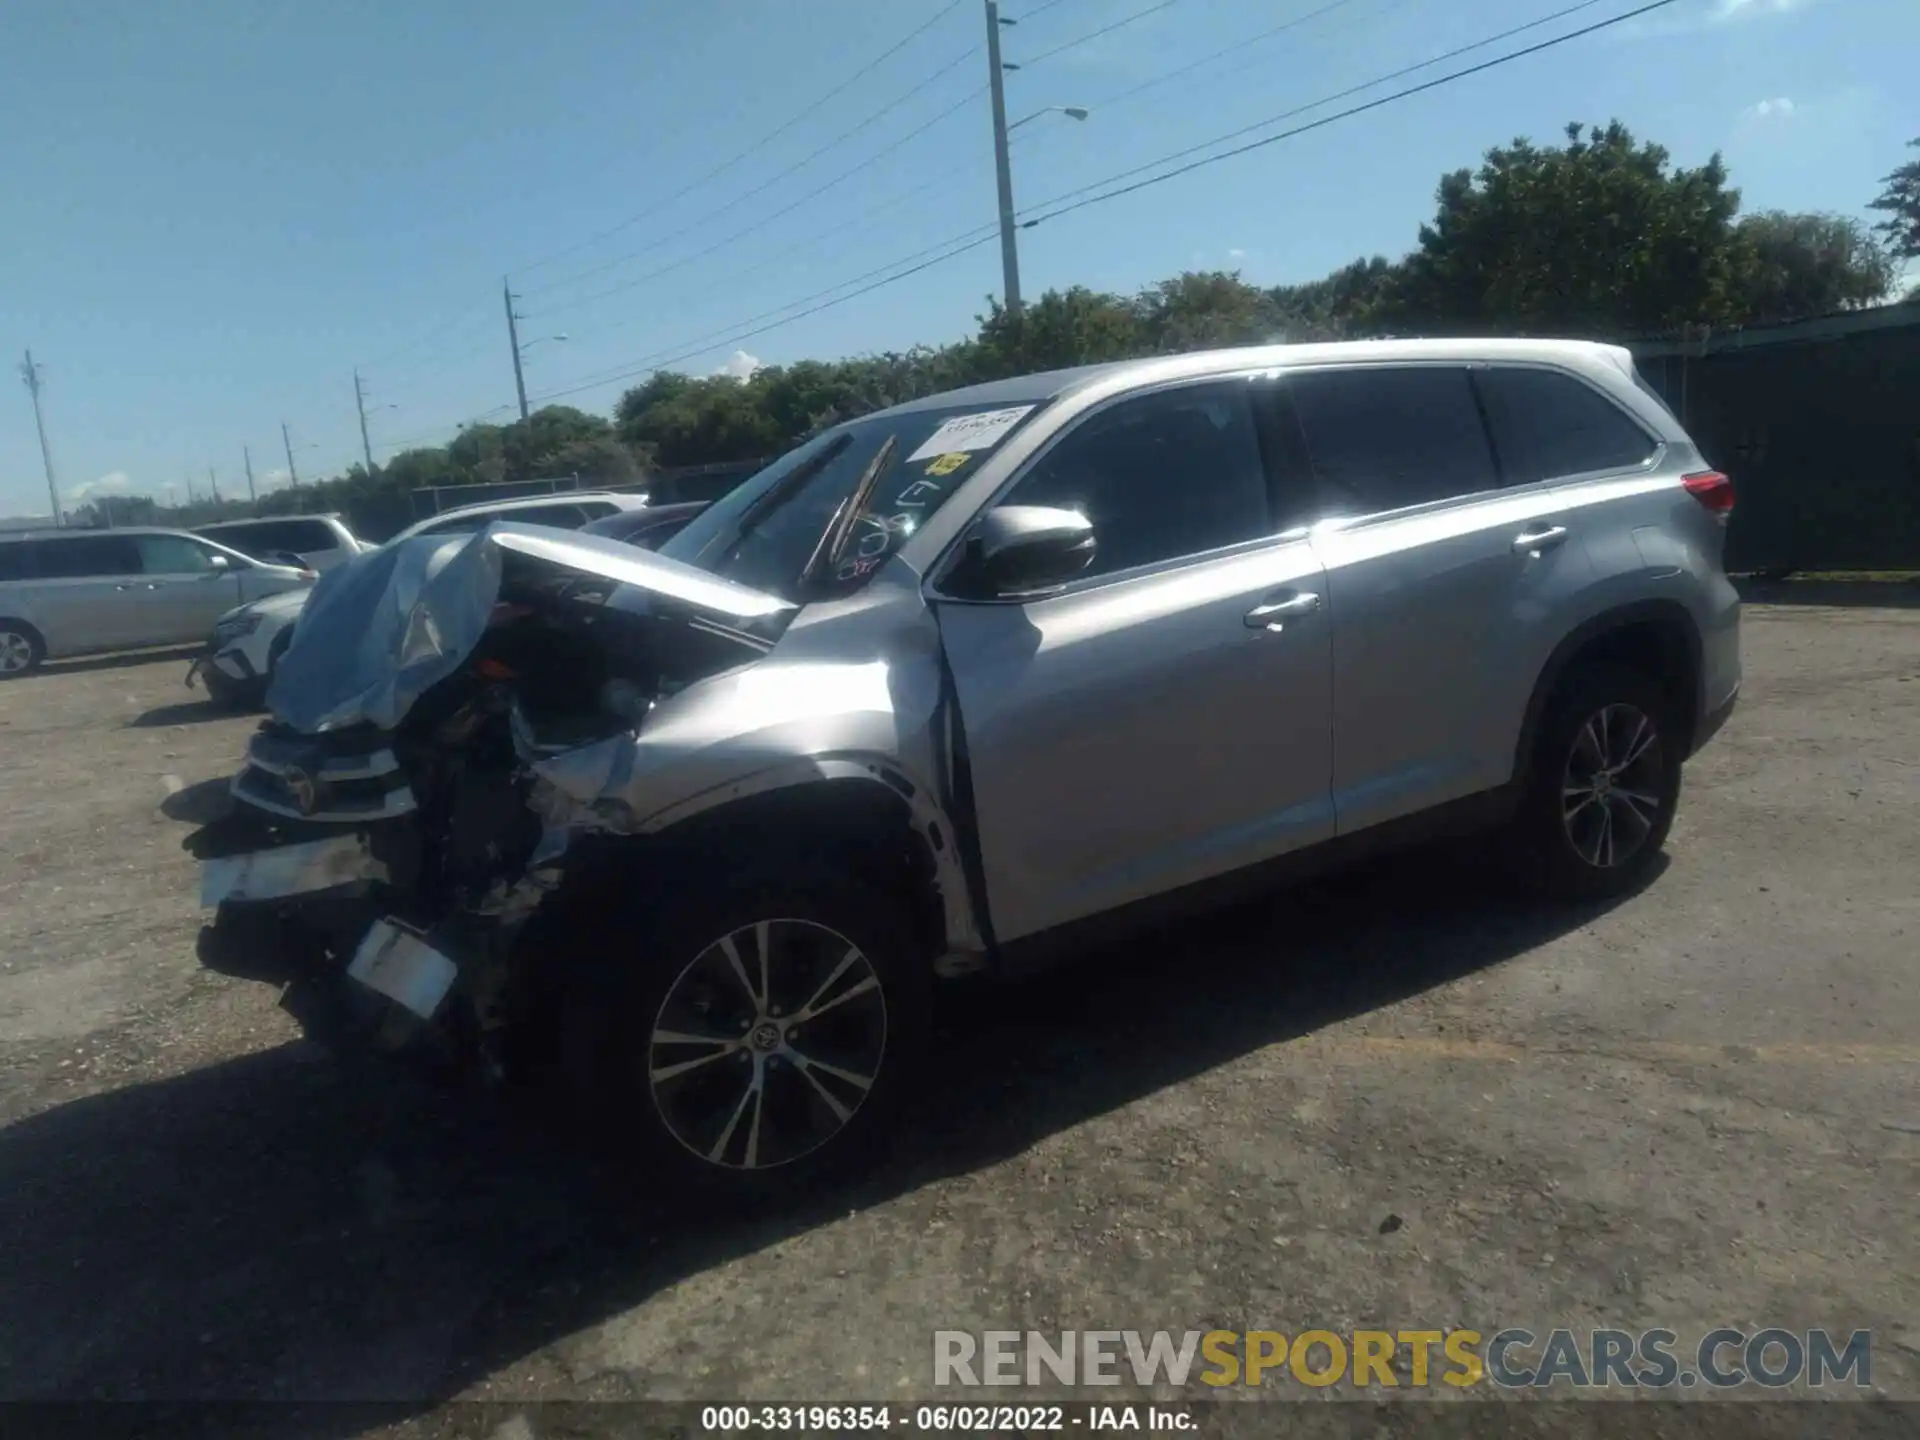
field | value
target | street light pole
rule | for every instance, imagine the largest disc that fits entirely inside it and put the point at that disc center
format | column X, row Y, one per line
column 30, row 372
column 1003, row 170
column 253, row 495
column 293, row 475
column 513, row 339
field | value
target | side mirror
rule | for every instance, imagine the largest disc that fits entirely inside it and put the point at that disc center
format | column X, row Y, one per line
column 218, row 563
column 1018, row 550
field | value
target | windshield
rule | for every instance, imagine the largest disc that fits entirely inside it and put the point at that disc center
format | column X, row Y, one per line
column 764, row 533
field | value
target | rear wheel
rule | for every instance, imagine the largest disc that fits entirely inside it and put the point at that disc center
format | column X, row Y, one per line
column 1604, row 785
column 752, row 1040
column 21, row 649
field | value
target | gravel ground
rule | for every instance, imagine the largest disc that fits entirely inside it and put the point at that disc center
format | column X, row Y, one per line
column 1394, row 1099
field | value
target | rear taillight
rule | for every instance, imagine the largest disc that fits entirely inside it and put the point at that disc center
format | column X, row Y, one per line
column 1713, row 490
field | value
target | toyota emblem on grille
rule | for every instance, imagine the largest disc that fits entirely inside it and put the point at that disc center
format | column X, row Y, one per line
column 304, row 789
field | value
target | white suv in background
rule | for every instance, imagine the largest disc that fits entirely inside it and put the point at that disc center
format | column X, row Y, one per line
column 320, row 542
column 247, row 641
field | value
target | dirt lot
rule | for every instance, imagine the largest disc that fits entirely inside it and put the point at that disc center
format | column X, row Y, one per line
column 1396, row 1099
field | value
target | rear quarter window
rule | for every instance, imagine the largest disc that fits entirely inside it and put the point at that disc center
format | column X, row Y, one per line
column 1546, row 424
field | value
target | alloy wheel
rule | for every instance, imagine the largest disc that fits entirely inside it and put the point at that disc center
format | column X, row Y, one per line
column 16, row 652
column 767, row 1044
column 1614, row 786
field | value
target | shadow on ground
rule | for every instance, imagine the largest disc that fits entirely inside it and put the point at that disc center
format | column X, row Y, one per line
column 186, row 712
column 200, row 803
column 1855, row 594
column 282, row 1226
column 121, row 661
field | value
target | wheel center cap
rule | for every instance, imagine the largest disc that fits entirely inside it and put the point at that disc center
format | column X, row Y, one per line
column 1602, row 783
column 765, row 1036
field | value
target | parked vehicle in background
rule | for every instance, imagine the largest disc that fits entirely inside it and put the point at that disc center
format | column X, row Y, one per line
column 248, row 641
column 75, row 592
column 957, row 686
column 649, row 528
column 319, row 542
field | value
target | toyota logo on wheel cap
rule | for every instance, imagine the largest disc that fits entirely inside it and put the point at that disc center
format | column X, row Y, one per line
column 304, row 789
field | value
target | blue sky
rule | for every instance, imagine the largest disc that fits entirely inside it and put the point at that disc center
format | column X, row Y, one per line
column 212, row 211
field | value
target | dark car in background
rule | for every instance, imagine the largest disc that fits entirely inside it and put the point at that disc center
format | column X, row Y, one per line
column 647, row 528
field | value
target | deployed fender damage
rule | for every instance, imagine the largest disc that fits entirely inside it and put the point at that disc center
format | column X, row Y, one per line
column 455, row 716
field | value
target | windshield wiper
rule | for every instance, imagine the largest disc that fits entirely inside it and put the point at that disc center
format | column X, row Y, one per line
column 833, row 541
column 778, row 493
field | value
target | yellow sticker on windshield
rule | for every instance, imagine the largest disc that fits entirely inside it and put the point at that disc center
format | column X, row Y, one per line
column 947, row 464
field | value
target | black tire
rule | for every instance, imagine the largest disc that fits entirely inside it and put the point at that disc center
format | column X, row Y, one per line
column 1578, row 836
column 21, row 649
column 659, row 959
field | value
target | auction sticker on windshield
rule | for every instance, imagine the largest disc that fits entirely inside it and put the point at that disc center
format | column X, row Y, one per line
column 981, row 431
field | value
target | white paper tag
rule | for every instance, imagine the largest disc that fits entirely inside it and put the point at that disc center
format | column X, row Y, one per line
column 970, row 432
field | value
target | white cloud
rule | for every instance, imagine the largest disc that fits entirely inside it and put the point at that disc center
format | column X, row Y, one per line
column 1236, row 254
column 1747, row 9
column 740, row 366
column 114, row 482
column 1778, row 108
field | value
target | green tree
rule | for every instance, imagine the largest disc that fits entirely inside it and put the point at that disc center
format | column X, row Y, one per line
column 1798, row 266
column 1600, row 236
column 1901, row 203
column 1200, row 310
column 1062, row 328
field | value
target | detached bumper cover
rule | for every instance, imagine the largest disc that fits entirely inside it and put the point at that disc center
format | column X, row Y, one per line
column 305, row 869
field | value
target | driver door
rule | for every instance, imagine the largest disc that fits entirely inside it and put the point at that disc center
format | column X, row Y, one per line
column 1156, row 722
column 185, row 591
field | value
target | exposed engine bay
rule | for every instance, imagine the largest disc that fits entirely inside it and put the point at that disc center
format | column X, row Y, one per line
column 411, row 854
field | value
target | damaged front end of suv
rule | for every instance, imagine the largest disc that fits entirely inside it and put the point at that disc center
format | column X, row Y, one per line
column 483, row 749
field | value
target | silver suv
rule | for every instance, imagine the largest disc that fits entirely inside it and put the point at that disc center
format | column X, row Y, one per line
column 950, row 688
column 73, row 592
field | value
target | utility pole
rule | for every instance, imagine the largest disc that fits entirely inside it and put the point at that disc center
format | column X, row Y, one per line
column 253, row 495
column 192, row 499
column 513, row 339
column 1003, row 170
column 214, row 481
column 293, row 475
column 30, row 372
column 360, row 403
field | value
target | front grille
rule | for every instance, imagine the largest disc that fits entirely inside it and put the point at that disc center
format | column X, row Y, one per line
column 343, row 779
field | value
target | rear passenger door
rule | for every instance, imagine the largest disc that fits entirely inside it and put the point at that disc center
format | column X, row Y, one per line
column 1442, row 584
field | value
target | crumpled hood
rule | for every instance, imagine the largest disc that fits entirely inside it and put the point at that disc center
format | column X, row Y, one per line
column 381, row 630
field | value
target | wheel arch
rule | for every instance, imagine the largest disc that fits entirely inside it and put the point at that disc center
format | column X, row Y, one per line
column 864, row 809
column 1658, row 637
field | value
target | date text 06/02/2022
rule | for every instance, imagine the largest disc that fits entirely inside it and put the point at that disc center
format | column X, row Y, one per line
column 960, row 1418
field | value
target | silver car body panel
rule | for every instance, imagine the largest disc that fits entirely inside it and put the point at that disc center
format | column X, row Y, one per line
column 83, row 615
column 1121, row 739
column 332, row 863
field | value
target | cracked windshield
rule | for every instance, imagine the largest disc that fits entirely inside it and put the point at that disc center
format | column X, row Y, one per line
column 1003, row 716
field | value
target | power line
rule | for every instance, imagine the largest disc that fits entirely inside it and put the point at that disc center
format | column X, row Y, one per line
column 1158, row 80
column 758, row 145
column 764, row 185
column 711, row 343
column 1326, row 120
column 767, row 220
column 1340, row 95
column 1096, row 34
column 1037, row 10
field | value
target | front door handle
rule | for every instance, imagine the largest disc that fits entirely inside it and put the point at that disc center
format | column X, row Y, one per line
column 1273, row 614
column 1534, row 542
column 137, row 587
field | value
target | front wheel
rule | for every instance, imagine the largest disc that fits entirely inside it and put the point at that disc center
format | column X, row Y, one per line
column 1603, row 788
column 750, row 1040
column 21, row 650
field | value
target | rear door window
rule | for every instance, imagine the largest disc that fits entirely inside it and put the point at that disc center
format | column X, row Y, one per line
column 1386, row 438
column 1547, row 425
column 82, row 557
column 561, row 517
column 16, row 560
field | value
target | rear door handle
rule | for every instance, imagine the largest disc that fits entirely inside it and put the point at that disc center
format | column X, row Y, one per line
column 1273, row 614
column 1533, row 542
